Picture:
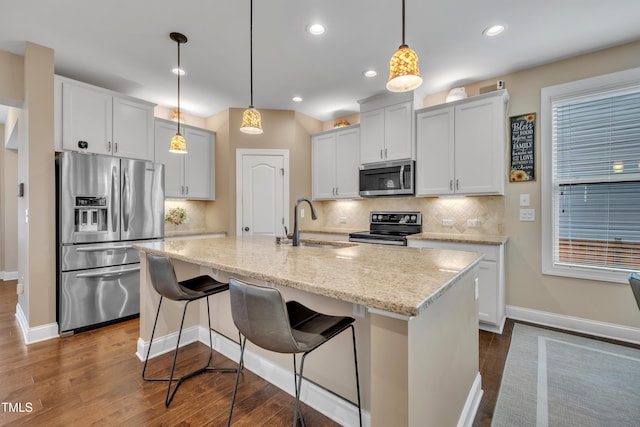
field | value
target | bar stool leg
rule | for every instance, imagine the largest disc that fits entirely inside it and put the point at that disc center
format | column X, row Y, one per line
column 153, row 331
column 355, row 362
column 243, row 342
column 297, row 414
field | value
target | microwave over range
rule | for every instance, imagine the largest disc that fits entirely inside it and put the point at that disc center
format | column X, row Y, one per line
column 394, row 178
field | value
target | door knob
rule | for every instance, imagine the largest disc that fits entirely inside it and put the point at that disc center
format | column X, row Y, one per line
column 246, row 229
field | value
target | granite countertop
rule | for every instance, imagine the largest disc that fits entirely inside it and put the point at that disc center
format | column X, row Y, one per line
column 400, row 280
column 461, row 238
column 193, row 232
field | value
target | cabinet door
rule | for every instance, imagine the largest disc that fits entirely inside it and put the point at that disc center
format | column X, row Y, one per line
column 173, row 162
column 86, row 116
column 397, row 132
column 480, row 147
column 324, row 166
column 372, row 136
column 488, row 292
column 199, row 181
column 132, row 129
column 435, row 152
column 348, row 163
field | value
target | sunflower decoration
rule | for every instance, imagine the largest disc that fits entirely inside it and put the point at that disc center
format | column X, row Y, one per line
column 517, row 175
column 530, row 117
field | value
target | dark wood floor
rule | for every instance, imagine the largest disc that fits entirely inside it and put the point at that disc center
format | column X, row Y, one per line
column 94, row 378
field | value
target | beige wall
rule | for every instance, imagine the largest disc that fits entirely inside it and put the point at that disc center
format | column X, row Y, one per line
column 8, row 209
column 12, row 81
column 283, row 129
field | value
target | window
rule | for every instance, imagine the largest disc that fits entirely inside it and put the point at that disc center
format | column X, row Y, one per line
column 591, row 177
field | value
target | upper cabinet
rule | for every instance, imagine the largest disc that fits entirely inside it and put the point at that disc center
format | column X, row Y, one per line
column 186, row 176
column 386, row 128
column 99, row 121
column 461, row 146
column 336, row 162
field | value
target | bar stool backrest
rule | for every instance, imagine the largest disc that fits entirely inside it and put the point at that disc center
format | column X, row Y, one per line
column 260, row 314
column 163, row 278
column 634, row 281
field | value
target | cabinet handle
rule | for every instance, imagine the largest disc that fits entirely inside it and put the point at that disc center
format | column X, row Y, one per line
column 450, row 184
column 115, row 147
column 187, row 187
column 381, row 154
column 337, row 192
column 385, row 153
column 457, row 185
column 182, row 190
column 109, row 146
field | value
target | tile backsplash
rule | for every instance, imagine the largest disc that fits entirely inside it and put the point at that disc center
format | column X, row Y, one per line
column 195, row 215
column 463, row 215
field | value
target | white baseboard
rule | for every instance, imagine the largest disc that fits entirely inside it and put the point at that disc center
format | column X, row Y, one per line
column 37, row 334
column 8, row 275
column 167, row 343
column 323, row 401
column 472, row 404
column 576, row 324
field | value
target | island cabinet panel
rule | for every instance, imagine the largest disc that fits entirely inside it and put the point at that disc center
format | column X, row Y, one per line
column 461, row 146
column 491, row 284
column 188, row 176
column 100, row 121
column 336, row 162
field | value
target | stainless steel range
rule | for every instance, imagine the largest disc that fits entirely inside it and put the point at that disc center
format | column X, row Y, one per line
column 389, row 228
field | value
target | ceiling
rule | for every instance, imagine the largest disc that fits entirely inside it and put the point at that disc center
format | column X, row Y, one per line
column 124, row 45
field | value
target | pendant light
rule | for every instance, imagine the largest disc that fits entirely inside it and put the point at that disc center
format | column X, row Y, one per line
column 404, row 74
column 178, row 143
column 251, row 120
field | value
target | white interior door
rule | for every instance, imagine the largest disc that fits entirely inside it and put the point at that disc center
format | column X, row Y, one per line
column 262, row 191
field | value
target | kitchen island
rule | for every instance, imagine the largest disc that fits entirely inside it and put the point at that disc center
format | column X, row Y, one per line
column 416, row 322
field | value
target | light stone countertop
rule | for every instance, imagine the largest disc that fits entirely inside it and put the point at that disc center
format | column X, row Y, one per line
column 484, row 239
column 192, row 232
column 400, row 280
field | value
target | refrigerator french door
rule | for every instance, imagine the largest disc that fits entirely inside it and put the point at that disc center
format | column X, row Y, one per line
column 104, row 205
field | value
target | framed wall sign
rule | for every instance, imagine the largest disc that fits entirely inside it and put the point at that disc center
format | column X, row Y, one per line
column 523, row 148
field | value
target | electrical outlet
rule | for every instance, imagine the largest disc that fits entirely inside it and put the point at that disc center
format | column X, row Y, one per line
column 527, row 215
column 343, row 219
column 524, row 200
column 475, row 222
column 301, row 213
column 20, row 289
column 447, row 222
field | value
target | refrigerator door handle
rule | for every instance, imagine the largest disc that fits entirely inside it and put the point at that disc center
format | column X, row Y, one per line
column 125, row 200
column 103, row 248
column 109, row 274
column 114, row 191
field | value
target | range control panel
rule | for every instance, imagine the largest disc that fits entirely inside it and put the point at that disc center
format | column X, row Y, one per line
column 414, row 218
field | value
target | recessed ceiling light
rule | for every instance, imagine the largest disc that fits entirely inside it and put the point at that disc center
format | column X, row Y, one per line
column 178, row 71
column 493, row 30
column 296, row 99
column 316, row 29
column 370, row 73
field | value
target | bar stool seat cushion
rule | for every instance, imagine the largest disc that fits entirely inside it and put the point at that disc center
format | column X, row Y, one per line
column 311, row 328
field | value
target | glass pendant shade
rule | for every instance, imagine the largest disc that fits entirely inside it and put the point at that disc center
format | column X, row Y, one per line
column 404, row 74
column 178, row 144
column 251, row 121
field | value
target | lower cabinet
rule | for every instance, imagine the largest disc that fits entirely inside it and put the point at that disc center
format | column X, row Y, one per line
column 491, row 286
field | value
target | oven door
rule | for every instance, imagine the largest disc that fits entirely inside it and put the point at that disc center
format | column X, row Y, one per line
column 387, row 179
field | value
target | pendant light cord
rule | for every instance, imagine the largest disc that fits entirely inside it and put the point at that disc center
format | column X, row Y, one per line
column 403, row 43
column 179, row 71
column 251, row 49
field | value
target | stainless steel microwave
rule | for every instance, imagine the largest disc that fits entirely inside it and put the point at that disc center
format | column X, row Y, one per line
column 394, row 178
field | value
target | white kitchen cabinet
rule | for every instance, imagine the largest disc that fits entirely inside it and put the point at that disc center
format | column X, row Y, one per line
column 186, row 176
column 106, row 122
column 386, row 129
column 335, row 164
column 461, row 146
column 491, row 282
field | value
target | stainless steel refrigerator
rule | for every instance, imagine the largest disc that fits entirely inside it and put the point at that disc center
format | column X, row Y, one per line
column 104, row 205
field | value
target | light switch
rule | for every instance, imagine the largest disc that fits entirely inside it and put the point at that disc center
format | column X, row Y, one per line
column 524, row 200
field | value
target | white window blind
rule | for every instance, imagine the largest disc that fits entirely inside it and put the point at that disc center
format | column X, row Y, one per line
column 596, row 181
